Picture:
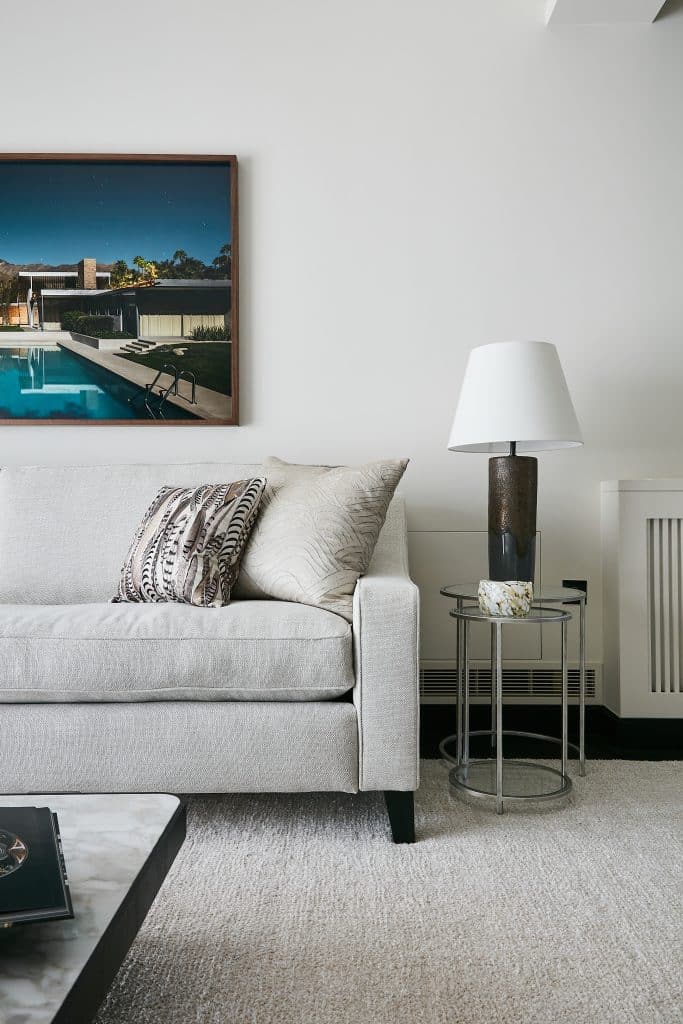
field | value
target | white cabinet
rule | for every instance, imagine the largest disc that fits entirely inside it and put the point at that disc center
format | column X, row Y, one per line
column 642, row 550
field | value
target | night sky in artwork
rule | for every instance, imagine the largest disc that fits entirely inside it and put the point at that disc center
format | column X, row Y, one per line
column 59, row 213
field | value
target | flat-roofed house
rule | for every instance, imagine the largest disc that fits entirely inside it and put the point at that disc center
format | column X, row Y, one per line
column 50, row 292
column 166, row 309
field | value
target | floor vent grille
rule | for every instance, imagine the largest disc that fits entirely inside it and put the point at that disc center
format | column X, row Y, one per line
column 517, row 682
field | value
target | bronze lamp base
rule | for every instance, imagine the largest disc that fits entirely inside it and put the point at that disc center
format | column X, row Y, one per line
column 513, row 481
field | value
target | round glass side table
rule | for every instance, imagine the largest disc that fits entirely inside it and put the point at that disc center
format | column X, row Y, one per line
column 546, row 594
column 512, row 779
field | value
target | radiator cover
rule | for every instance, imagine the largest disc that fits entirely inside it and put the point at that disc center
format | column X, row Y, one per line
column 642, row 549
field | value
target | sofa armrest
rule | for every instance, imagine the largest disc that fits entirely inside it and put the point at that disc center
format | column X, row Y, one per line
column 385, row 636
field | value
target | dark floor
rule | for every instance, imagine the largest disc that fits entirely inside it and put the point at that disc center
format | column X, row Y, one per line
column 606, row 735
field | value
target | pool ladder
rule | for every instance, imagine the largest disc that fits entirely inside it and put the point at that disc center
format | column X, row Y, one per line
column 155, row 402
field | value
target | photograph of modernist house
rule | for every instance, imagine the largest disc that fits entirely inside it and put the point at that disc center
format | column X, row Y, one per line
column 116, row 290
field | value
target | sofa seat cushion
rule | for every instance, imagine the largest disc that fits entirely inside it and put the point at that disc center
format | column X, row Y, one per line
column 247, row 650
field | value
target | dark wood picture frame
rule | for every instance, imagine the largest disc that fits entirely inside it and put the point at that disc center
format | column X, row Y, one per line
column 219, row 416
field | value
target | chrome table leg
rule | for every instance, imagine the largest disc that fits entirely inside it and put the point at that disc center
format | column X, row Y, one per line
column 459, row 625
column 497, row 637
column 582, row 686
column 466, row 680
column 565, row 698
column 493, row 690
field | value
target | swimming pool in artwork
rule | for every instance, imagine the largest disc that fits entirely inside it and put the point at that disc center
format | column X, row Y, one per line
column 49, row 383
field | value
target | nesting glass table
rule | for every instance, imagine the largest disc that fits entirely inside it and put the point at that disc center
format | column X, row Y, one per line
column 494, row 778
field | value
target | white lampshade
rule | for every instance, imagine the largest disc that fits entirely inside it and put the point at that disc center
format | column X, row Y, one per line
column 514, row 391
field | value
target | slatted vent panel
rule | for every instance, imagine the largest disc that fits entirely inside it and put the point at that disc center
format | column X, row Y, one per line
column 665, row 604
column 517, row 682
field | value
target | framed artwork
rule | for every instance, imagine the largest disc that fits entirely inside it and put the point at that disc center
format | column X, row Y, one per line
column 118, row 289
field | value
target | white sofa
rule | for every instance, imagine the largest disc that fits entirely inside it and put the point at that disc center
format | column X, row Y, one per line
column 260, row 696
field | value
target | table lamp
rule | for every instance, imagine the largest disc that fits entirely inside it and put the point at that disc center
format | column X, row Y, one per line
column 513, row 399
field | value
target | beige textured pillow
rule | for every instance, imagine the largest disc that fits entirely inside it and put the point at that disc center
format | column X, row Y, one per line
column 189, row 544
column 316, row 532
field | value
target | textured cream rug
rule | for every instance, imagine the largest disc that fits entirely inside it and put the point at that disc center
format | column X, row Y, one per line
column 298, row 909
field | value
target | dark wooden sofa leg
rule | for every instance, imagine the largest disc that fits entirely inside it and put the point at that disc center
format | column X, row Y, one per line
column 401, row 810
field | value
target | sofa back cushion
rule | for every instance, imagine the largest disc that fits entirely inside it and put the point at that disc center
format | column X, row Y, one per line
column 316, row 532
column 65, row 530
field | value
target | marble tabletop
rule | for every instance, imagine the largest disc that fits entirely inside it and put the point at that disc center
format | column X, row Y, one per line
column 106, row 841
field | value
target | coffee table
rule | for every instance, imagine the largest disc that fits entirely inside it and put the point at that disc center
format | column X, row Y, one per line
column 118, row 849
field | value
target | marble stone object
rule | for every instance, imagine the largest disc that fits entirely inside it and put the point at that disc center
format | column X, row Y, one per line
column 117, row 849
column 509, row 599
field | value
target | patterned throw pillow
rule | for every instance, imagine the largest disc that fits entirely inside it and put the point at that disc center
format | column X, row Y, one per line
column 189, row 544
column 316, row 532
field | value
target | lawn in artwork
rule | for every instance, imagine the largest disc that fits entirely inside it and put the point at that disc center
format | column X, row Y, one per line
column 118, row 289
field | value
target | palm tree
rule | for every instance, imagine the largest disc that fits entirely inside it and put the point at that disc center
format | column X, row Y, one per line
column 148, row 270
column 223, row 262
column 182, row 265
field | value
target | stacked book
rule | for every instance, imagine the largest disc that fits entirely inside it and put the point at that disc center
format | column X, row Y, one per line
column 33, row 882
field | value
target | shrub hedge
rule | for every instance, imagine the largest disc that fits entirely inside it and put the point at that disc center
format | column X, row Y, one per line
column 84, row 323
column 104, row 335
column 69, row 318
column 210, row 334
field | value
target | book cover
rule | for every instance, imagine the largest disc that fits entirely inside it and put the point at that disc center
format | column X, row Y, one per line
column 33, row 881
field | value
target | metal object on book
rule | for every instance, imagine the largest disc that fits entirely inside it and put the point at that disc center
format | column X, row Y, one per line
column 13, row 852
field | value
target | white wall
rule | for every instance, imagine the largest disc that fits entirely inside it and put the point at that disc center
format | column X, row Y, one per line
column 416, row 179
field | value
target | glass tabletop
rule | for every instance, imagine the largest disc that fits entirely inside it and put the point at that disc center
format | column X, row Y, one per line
column 472, row 613
column 546, row 592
